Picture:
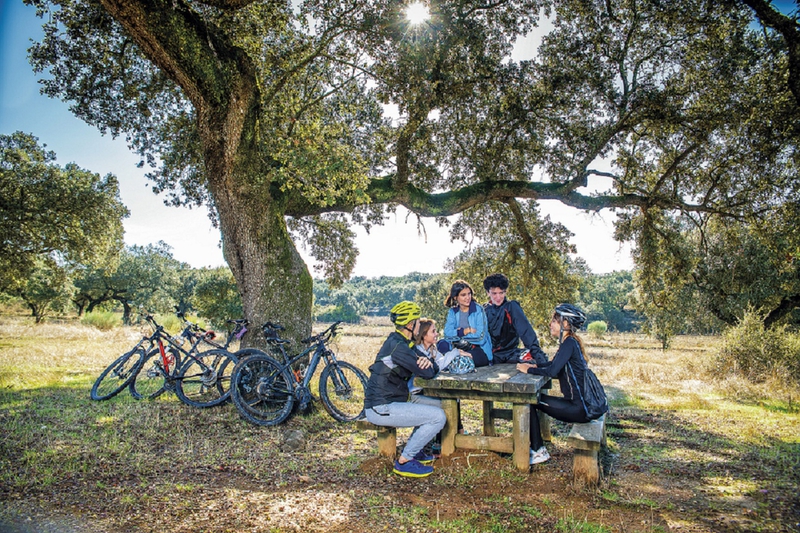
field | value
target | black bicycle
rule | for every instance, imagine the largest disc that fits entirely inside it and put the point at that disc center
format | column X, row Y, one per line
column 265, row 390
column 200, row 378
column 123, row 370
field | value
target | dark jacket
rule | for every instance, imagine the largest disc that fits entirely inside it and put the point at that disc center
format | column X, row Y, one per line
column 394, row 365
column 568, row 352
column 507, row 326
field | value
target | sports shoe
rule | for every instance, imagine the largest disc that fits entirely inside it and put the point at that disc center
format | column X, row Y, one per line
column 526, row 357
column 539, row 456
column 413, row 468
column 424, row 458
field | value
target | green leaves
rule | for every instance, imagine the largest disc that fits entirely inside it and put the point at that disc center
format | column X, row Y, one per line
column 62, row 215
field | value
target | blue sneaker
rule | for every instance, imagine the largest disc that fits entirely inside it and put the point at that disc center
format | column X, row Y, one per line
column 424, row 458
column 413, row 468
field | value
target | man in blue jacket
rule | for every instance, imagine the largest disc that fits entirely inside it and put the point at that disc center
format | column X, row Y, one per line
column 508, row 325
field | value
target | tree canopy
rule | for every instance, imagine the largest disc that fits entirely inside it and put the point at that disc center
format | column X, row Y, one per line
column 52, row 217
column 272, row 113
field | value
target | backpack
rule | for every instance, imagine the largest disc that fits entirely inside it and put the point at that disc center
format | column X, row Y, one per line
column 593, row 396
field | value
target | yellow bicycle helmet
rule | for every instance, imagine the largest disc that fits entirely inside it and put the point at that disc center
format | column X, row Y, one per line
column 404, row 312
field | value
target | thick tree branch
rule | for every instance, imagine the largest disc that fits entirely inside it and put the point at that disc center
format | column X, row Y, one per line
column 787, row 27
column 228, row 4
column 422, row 203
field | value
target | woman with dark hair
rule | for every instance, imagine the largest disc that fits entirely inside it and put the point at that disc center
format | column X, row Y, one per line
column 465, row 326
column 568, row 365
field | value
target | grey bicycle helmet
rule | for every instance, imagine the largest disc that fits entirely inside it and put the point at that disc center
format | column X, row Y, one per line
column 461, row 365
column 571, row 314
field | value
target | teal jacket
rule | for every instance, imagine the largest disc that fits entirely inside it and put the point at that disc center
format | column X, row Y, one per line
column 477, row 321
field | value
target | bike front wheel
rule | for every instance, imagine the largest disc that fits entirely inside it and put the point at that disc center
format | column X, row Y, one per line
column 205, row 379
column 341, row 388
column 151, row 380
column 117, row 375
column 262, row 390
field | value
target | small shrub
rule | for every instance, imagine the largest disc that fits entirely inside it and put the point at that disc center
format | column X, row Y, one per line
column 597, row 328
column 171, row 323
column 102, row 320
column 758, row 353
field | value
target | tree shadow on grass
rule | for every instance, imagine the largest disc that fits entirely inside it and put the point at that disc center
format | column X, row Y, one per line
column 695, row 473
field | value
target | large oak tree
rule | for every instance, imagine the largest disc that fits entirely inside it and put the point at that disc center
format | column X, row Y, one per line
column 272, row 114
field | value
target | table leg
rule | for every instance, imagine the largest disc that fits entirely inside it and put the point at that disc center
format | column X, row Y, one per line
column 451, row 411
column 488, row 419
column 522, row 435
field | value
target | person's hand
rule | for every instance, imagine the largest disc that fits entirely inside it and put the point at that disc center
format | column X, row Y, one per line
column 523, row 367
column 424, row 363
column 465, row 354
column 469, row 331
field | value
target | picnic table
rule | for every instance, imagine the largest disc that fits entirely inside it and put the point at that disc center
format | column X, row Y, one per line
column 489, row 384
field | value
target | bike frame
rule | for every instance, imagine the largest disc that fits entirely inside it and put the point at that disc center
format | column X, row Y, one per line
column 159, row 336
column 321, row 352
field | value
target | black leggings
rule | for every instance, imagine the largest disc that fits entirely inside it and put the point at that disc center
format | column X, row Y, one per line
column 479, row 357
column 556, row 407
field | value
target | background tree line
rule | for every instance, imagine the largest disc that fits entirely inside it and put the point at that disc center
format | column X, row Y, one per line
column 61, row 231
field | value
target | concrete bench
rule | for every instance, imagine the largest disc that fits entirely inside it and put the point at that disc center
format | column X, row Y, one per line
column 387, row 437
column 587, row 439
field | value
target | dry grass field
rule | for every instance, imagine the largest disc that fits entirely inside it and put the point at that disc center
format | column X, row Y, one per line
column 690, row 450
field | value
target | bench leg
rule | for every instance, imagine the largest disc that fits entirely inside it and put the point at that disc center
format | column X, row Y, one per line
column 387, row 441
column 586, row 467
column 450, row 429
column 488, row 419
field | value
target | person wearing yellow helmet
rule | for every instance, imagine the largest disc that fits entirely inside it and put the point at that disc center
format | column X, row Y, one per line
column 386, row 399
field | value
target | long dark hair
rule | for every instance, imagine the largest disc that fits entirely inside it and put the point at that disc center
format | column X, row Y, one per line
column 458, row 286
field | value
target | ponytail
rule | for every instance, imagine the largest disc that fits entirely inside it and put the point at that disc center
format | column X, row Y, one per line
column 570, row 333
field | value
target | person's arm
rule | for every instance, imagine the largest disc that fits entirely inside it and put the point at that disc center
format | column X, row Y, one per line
column 560, row 360
column 443, row 360
column 478, row 324
column 526, row 333
column 408, row 358
column 451, row 325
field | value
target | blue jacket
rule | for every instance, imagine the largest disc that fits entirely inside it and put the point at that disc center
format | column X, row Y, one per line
column 477, row 321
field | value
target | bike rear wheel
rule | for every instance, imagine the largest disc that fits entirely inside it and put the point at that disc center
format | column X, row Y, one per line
column 117, row 375
column 205, row 380
column 151, row 380
column 341, row 388
column 261, row 390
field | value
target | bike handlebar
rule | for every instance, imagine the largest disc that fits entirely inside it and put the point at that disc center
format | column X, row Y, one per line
column 325, row 336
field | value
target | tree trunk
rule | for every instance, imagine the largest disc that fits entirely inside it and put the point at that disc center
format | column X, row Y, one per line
column 272, row 277
column 126, row 312
column 221, row 82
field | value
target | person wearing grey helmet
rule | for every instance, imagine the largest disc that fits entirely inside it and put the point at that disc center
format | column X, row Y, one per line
column 567, row 320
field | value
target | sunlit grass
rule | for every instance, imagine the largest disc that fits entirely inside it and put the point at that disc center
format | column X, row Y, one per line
column 672, row 413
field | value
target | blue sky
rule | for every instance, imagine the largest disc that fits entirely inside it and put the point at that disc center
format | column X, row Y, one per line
column 189, row 232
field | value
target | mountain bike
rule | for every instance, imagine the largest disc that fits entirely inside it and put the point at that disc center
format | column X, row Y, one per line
column 197, row 383
column 123, row 370
column 265, row 390
column 199, row 378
